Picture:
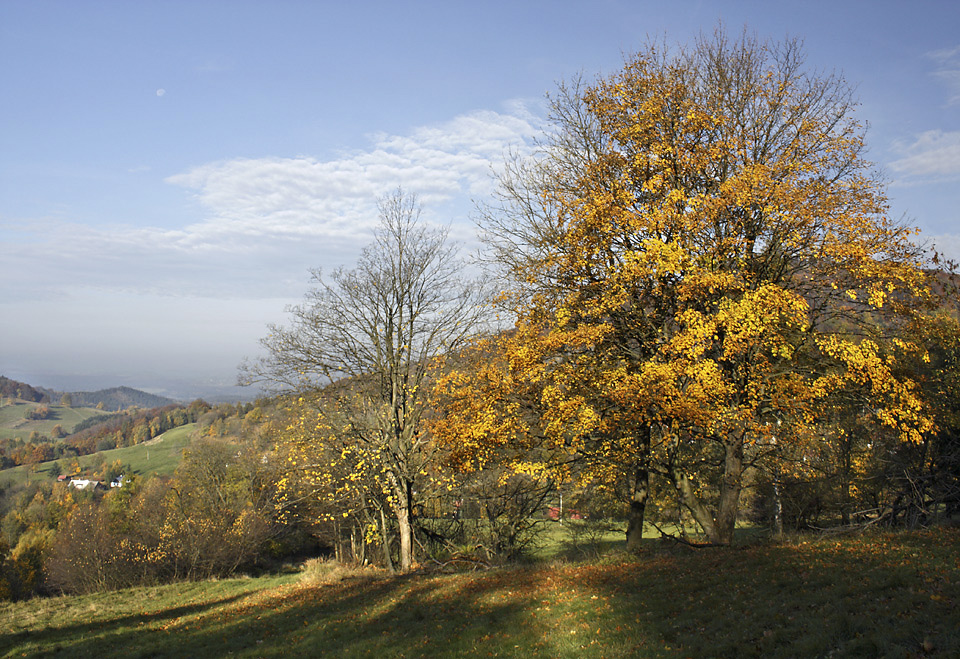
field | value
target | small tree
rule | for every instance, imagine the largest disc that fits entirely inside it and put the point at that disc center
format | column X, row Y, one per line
column 55, row 469
column 375, row 330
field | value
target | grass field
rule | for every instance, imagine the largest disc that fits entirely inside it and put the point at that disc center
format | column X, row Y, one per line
column 13, row 423
column 161, row 455
column 876, row 595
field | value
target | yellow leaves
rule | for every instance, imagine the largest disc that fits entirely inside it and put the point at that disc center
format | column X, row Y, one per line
column 699, row 279
column 877, row 298
column 897, row 400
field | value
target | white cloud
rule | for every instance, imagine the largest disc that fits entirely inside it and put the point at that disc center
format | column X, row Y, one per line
column 934, row 156
column 306, row 197
column 266, row 221
column 948, row 71
column 135, row 296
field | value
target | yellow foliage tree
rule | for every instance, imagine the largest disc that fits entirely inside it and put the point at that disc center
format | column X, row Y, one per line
column 699, row 257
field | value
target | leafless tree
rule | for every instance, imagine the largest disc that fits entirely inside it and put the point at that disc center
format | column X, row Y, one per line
column 368, row 336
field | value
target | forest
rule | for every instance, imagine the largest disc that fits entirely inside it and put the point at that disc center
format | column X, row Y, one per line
column 694, row 321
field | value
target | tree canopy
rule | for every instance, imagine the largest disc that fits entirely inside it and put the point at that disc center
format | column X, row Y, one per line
column 700, row 262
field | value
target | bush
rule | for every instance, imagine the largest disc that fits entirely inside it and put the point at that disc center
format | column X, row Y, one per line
column 38, row 413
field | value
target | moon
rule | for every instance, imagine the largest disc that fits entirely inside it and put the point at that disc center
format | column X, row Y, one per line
column 161, row 92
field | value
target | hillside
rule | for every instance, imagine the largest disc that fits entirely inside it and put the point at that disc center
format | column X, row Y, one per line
column 113, row 399
column 14, row 422
column 875, row 595
column 159, row 456
column 22, row 391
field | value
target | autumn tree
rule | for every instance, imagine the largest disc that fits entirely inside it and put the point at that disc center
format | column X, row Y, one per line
column 698, row 257
column 218, row 509
column 364, row 340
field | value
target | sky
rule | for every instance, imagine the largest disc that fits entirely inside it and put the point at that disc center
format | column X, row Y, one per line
column 171, row 171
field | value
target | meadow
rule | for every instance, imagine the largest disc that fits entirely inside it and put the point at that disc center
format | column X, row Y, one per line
column 875, row 594
column 14, row 424
column 160, row 456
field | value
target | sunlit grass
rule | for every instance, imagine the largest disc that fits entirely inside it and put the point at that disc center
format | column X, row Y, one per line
column 13, row 424
column 873, row 595
column 160, row 456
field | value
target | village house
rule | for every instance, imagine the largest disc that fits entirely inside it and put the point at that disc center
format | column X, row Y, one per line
column 85, row 484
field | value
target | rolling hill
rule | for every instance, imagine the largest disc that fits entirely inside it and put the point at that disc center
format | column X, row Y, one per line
column 113, row 399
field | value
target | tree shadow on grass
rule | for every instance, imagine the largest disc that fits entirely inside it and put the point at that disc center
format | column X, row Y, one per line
column 403, row 616
column 90, row 639
column 876, row 596
column 412, row 616
column 867, row 598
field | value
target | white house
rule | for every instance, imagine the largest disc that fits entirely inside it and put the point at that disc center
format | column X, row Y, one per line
column 84, row 484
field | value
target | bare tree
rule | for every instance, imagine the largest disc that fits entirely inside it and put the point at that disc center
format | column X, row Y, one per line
column 375, row 330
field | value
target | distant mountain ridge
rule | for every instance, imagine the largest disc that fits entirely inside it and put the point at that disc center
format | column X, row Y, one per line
column 23, row 391
column 113, row 399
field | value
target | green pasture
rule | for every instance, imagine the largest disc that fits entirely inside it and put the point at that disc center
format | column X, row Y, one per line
column 161, row 455
column 13, row 422
column 869, row 595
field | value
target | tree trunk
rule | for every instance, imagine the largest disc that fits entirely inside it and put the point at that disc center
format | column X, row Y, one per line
column 387, row 559
column 641, row 490
column 638, row 506
column 405, row 525
column 406, row 538
column 718, row 529
column 844, row 480
column 699, row 511
column 777, row 505
column 730, row 488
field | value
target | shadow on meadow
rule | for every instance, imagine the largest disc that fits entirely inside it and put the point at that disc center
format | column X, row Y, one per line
column 95, row 637
column 880, row 595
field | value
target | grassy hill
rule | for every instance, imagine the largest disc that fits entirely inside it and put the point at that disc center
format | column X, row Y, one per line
column 13, row 421
column 161, row 455
column 872, row 595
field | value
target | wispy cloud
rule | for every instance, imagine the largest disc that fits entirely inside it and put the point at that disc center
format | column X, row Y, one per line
column 933, row 157
column 307, row 197
column 948, row 71
column 267, row 220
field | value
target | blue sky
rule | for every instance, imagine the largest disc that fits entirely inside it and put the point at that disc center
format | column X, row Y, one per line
column 169, row 171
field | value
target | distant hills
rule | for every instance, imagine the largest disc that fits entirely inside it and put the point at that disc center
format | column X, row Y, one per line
column 113, row 399
column 13, row 389
column 117, row 398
